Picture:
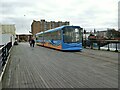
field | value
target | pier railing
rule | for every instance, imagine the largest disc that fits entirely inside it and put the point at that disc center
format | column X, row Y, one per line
column 4, row 53
column 100, row 44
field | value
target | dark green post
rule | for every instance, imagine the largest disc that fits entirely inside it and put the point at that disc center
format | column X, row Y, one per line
column 116, row 48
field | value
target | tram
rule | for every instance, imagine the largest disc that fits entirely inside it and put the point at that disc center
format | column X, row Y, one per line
column 62, row 38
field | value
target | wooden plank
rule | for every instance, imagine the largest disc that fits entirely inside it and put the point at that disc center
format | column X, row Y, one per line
column 41, row 67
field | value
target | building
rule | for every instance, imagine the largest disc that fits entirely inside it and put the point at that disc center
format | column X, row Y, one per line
column 23, row 37
column 35, row 27
column 38, row 26
column 113, row 34
column 102, row 34
column 109, row 34
column 8, row 29
column 7, row 33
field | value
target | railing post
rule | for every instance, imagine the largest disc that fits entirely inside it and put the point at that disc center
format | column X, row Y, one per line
column 91, row 44
column 3, row 55
column 108, row 47
column 85, row 44
column 0, row 85
column 116, row 48
column 98, row 45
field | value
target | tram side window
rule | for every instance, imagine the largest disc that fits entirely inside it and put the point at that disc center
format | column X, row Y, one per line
column 58, row 35
column 55, row 35
column 48, row 36
column 39, row 37
column 45, row 36
column 67, row 35
column 52, row 35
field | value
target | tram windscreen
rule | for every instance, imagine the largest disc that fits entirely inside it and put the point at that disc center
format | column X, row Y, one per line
column 72, row 35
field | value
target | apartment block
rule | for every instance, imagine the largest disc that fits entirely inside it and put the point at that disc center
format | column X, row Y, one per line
column 35, row 27
column 7, row 29
column 42, row 25
column 7, row 33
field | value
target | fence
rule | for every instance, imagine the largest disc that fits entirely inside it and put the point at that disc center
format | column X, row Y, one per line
column 103, row 44
column 4, row 52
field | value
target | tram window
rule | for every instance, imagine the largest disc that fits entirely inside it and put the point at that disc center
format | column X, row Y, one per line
column 59, row 35
column 71, row 34
column 55, row 35
column 39, row 37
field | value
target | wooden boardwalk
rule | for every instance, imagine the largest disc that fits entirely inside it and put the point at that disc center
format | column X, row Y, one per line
column 41, row 67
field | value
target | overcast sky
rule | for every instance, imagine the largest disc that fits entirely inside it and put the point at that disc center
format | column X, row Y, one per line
column 84, row 13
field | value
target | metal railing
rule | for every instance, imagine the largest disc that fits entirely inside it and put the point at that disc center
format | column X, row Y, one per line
column 99, row 44
column 4, row 53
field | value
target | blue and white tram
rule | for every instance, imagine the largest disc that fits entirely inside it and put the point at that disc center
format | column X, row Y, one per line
column 62, row 38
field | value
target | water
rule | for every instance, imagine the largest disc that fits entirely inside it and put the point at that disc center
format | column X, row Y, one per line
column 112, row 46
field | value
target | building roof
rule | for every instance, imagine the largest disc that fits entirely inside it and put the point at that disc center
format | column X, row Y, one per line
column 23, row 34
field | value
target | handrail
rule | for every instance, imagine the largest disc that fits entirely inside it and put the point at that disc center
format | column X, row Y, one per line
column 4, row 52
column 100, row 43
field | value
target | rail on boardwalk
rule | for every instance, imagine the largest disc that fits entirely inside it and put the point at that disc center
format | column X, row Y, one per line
column 4, row 53
column 109, row 45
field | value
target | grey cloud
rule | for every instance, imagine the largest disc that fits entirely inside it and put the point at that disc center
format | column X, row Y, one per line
column 78, row 12
column 23, row 25
column 14, row 7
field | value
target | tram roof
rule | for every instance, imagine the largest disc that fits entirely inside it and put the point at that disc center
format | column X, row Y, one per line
column 39, row 33
column 59, row 28
column 56, row 29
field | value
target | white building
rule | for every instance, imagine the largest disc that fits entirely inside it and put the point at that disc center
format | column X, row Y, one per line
column 7, row 33
column 0, row 34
